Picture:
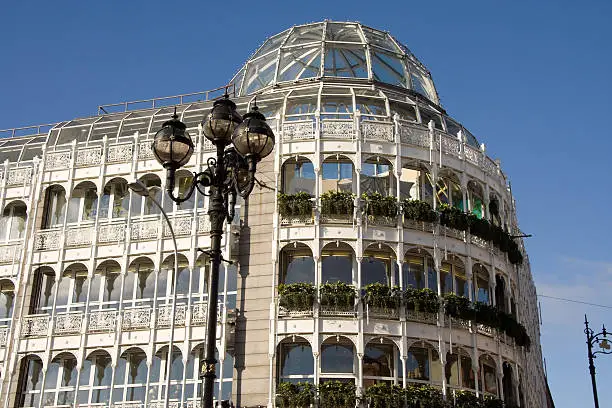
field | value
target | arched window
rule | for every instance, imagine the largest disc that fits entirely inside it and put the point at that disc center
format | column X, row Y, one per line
column 414, row 183
column 337, row 174
column 487, row 376
column 448, row 190
column 338, row 356
column 481, row 284
column 7, row 297
column 158, row 379
column 508, row 384
column 115, row 199
column 146, row 206
column 297, row 264
column 95, row 379
column 72, row 289
column 223, row 382
column 423, row 363
column 419, row 270
column 295, row 361
column 130, row 376
column 298, row 175
column 336, row 103
column 476, row 199
column 182, row 280
column 495, row 210
column 139, row 283
column 13, row 221
column 105, row 285
column 376, row 176
column 452, row 277
column 43, row 291
column 337, row 263
column 199, row 278
column 380, row 362
column 378, row 266
column 182, row 183
column 458, row 370
column 60, row 380
column 83, row 202
column 500, row 293
column 30, row 381
column 55, row 206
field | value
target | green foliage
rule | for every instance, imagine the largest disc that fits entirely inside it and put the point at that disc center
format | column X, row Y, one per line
column 453, row 217
column 338, row 295
column 480, row 227
column 421, row 396
column 492, row 402
column 422, row 300
column 384, row 395
column 300, row 395
column 458, row 307
column 299, row 204
column 297, row 296
column 336, row 394
column 417, row 210
column 337, row 203
column 467, row 399
column 378, row 205
column 383, row 296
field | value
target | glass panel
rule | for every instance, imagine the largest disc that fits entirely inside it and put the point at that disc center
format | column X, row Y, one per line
column 342, row 32
column 345, row 61
column 414, row 272
column 389, row 68
column 410, row 184
column 337, row 175
column 337, row 268
column 376, row 178
column 417, row 364
column 260, row 73
column 374, row 271
column 467, row 374
column 337, row 358
column 378, row 360
column 17, row 220
column 299, row 269
column 7, row 295
column 451, row 369
column 379, row 39
column 296, row 359
column 298, row 176
column 300, row 62
column 271, row 43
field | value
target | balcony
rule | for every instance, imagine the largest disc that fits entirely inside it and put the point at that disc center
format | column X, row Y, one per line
column 3, row 336
column 138, row 318
column 68, row 323
column 10, row 253
column 35, row 325
column 165, row 318
column 102, row 321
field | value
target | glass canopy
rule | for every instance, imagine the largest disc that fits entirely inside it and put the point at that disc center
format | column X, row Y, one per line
column 333, row 49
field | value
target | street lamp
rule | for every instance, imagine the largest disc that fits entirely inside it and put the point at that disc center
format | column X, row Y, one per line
column 230, row 174
column 139, row 188
column 601, row 339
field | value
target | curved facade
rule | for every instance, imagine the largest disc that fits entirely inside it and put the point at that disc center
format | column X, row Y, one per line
column 85, row 317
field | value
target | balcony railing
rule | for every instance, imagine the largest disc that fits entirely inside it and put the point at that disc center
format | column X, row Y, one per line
column 10, row 253
column 3, row 336
column 198, row 314
column 35, row 325
column 164, row 316
column 136, row 318
column 102, row 320
column 68, row 323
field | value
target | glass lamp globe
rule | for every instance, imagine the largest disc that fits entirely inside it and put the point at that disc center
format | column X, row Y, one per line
column 221, row 122
column 253, row 137
column 172, row 145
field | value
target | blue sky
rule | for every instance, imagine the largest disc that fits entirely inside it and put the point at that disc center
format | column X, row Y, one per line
column 532, row 80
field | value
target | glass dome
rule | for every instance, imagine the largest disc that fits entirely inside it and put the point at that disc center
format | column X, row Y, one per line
column 333, row 50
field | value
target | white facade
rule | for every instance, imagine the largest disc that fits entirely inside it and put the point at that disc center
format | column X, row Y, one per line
column 353, row 110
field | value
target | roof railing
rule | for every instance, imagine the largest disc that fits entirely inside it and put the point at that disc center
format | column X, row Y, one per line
column 26, row 130
column 202, row 96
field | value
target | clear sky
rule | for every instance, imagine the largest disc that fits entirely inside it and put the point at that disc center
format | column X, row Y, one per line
column 531, row 79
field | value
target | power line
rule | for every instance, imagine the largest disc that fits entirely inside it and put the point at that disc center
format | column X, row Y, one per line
column 575, row 301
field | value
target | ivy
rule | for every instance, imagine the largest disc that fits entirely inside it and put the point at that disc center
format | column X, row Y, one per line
column 417, row 210
column 300, row 395
column 383, row 296
column 338, row 295
column 384, row 395
column 378, row 205
column 453, row 217
column 336, row 394
column 422, row 300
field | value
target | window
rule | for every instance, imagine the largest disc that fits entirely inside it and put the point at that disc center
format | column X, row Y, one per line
column 55, row 207
column 130, row 376
column 378, row 266
column 413, row 270
column 95, row 379
column 72, row 289
column 297, row 264
column 106, row 286
column 43, row 291
column 30, row 381
column 476, row 199
column 379, row 363
column 158, row 379
column 481, row 284
column 452, row 277
column 458, row 371
column 423, row 364
column 146, row 206
column 7, row 297
column 377, row 177
column 337, row 263
column 115, row 199
column 488, row 375
column 295, row 362
column 182, row 184
column 199, row 278
column 412, row 182
column 83, row 203
column 337, row 356
column 298, row 176
column 223, row 370
column 337, row 174
column 182, row 279
column 13, row 221
column 60, row 381
column 139, row 283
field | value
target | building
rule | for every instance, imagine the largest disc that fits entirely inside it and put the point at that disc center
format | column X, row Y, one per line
column 85, row 308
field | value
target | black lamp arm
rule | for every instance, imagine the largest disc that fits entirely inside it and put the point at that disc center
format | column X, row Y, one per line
column 203, row 178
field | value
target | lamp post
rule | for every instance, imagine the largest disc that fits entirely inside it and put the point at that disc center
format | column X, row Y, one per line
column 229, row 174
column 601, row 339
column 139, row 188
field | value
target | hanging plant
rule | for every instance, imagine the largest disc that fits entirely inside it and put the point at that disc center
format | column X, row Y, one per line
column 466, row 399
column 336, row 394
column 485, row 314
column 458, row 307
column 492, row 402
column 383, row 296
column 294, row 205
column 424, row 396
column 378, row 205
column 417, row 210
column 338, row 295
column 337, row 203
column 452, row 217
column 383, row 395
column 422, row 300
column 480, row 227
column 296, row 296
column 300, row 395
